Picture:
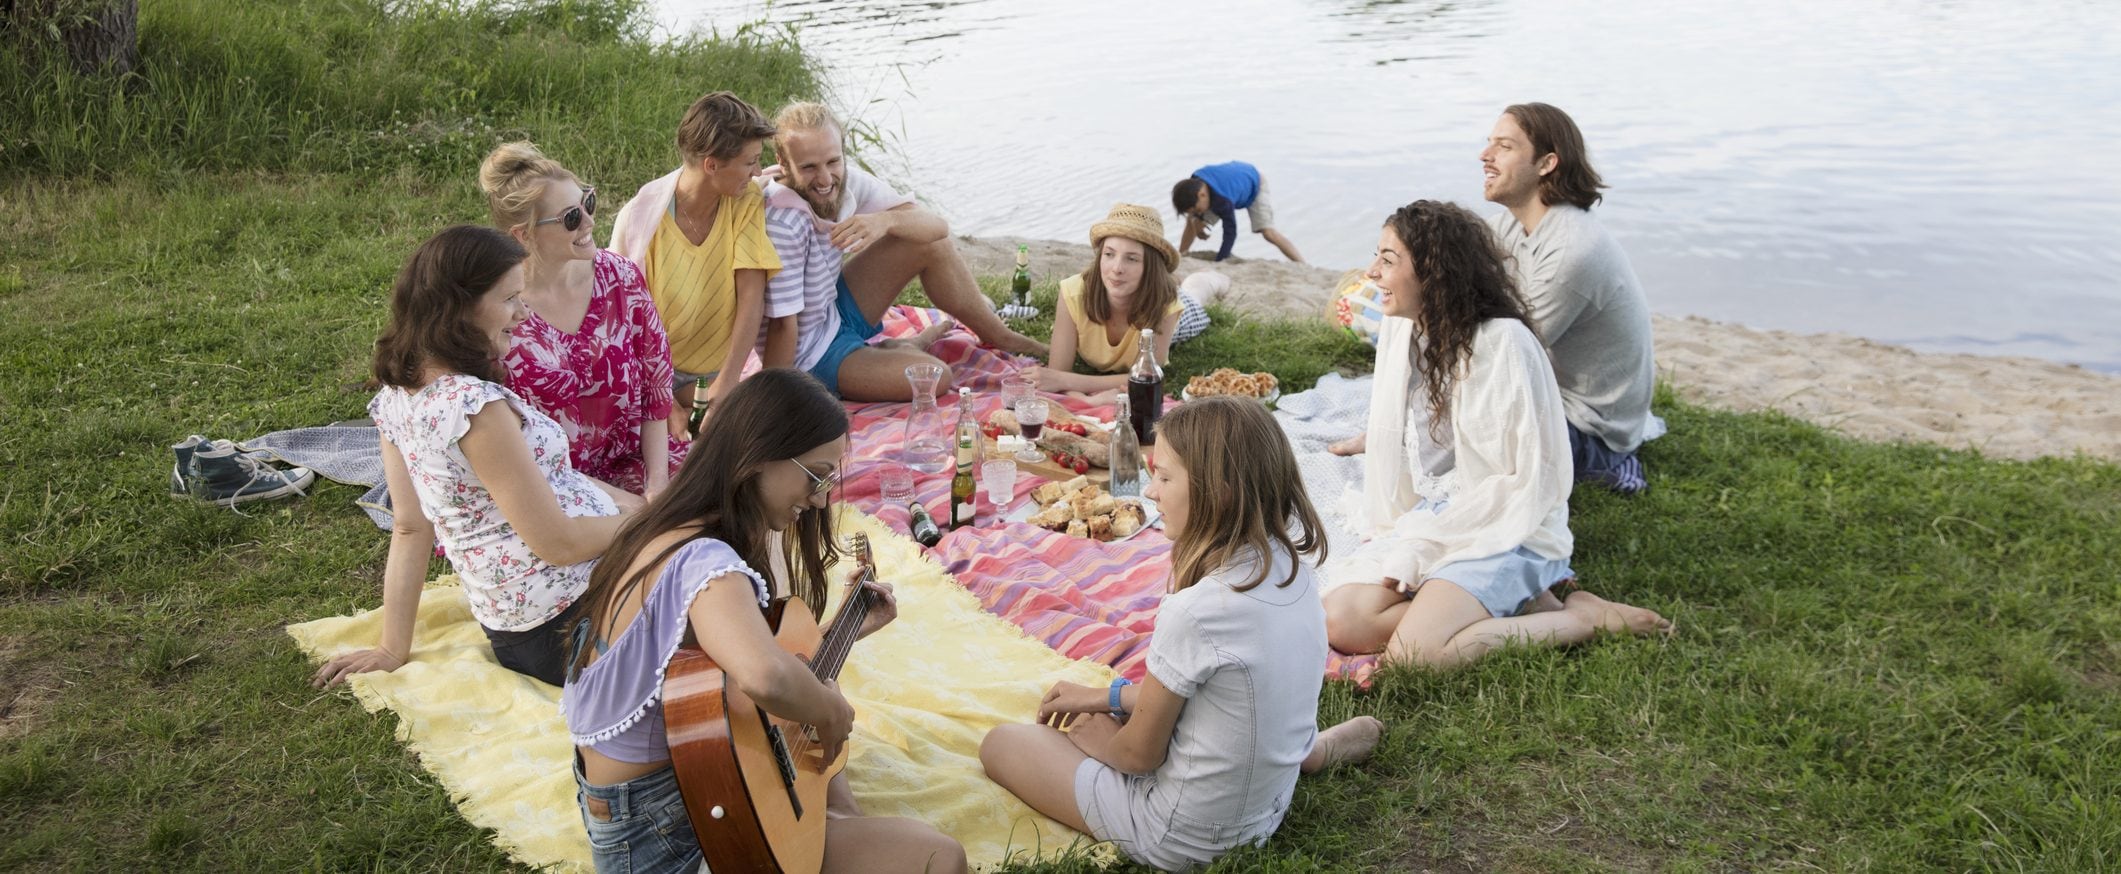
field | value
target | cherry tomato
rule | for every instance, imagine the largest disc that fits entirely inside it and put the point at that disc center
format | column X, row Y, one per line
column 1081, row 466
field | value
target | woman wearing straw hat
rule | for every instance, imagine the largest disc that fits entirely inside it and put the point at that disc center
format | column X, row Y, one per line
column 1127, row 288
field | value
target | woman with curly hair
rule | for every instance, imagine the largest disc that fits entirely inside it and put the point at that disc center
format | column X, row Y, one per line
column 1465, row 504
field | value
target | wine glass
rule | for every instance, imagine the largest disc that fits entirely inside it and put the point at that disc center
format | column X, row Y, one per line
column 999, row 475
column 1031, row 417
column 1016, row 388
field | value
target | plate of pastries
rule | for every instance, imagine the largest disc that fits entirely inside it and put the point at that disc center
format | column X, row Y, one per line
column 1081, row 508
column 1261, row 385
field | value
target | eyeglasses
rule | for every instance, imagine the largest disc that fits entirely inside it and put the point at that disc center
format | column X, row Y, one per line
column 571, row 217
column 818, row 484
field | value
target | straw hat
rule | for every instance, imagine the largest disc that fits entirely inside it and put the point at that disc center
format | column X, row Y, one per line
column 1138, row 223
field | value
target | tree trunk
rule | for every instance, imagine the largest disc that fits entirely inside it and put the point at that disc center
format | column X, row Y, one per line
column 98, row 36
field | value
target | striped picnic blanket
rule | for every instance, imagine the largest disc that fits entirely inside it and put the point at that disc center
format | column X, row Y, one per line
column 1087, row 600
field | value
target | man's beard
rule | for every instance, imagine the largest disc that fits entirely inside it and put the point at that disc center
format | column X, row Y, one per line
column 828, row 210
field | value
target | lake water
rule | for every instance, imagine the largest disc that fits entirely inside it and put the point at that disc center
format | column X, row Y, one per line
column 1927, row 173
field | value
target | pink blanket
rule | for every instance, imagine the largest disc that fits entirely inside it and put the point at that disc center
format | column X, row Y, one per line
column 1087, row 600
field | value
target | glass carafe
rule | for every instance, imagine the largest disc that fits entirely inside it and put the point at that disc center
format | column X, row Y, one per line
column 926, row 447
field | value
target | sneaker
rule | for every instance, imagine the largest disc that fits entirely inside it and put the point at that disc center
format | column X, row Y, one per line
column 223, row 475
column 179, row 487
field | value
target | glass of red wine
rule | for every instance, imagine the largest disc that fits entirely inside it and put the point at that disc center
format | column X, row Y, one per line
column 1031, row 417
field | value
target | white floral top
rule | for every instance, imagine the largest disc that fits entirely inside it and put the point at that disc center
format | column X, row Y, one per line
column 510, row 588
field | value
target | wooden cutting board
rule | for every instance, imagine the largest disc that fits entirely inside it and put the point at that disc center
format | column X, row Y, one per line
column 1045, row 466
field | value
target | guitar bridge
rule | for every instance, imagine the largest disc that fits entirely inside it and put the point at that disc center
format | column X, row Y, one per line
column 785, row 761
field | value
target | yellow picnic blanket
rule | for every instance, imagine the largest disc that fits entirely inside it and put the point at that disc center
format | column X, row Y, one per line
column 925, row 690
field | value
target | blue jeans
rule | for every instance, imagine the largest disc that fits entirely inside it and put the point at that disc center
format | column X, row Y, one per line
column 643, row 828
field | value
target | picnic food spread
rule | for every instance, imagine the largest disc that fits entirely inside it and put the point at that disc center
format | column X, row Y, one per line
column 1080, row 508
column 1066, row 439
column 1227, row 381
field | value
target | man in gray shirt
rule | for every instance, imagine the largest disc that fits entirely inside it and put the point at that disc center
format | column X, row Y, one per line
column 1586, row 303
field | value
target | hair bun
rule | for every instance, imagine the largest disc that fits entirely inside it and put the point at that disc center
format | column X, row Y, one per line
column 508, row 161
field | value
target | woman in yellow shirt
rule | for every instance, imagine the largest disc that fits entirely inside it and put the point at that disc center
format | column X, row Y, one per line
column 1129, row 287
column 699, row 235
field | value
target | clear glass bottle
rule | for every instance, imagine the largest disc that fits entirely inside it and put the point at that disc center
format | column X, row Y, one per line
column 1126, row 454
column 926, row 448
column 963, row 509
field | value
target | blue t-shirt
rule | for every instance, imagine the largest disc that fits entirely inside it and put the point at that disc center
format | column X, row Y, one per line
column 1235, row 180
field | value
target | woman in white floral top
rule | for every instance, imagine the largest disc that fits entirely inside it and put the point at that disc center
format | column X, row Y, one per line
column 489, row 474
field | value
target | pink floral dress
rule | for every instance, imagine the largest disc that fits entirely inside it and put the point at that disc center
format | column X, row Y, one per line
column 605, row 379
column 509, row 587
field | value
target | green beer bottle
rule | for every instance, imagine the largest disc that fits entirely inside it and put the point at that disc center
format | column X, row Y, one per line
column 700, row 403
column 1020, row 284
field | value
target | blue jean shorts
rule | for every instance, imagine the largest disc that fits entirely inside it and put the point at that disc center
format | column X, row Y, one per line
column 648, row 830
column 1504, row 583
column 1507, row 582
column 854, row 333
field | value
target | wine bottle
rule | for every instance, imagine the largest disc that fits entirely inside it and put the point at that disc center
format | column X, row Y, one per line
column 1145, row 390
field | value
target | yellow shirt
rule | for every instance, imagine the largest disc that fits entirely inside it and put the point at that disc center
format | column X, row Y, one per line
column 1090, row 343
column 694, row 287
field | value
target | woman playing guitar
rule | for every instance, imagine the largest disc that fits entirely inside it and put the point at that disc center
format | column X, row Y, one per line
column 689, row 568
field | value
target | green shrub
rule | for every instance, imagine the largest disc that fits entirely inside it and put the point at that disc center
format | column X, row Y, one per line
column 363, row 85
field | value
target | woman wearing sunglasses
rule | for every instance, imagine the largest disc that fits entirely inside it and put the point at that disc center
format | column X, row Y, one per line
column 592, row 354
column 698, row 564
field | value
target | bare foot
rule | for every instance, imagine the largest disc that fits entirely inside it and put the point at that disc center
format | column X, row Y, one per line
column 1355, row 445
column 1350, row 741
column 1016, row 344
column 1617, row 617
column 932, row 333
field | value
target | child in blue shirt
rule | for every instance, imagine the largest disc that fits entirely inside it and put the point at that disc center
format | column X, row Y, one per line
column 1214, row 194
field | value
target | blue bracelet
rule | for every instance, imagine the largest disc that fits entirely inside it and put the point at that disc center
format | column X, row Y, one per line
column 1117, row 683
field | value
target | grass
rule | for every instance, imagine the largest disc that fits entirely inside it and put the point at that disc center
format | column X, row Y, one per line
column 1890, row 657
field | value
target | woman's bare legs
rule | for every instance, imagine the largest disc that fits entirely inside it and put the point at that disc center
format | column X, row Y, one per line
column 854, row 842
column 1445, row 627
column 1037, row 764
column 890, row 843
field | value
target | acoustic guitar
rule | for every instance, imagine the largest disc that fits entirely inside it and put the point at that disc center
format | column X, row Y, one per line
column 754, row 784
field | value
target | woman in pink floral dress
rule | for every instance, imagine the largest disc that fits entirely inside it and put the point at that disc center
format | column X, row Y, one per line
column 592, row 354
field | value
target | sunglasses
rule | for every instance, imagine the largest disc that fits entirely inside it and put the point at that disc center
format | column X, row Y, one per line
column 571, row 218
column 818, row 484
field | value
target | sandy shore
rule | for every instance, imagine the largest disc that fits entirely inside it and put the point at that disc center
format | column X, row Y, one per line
column 2004, row 407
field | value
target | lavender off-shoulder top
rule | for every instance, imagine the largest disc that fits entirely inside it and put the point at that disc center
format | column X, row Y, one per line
column 614, row 706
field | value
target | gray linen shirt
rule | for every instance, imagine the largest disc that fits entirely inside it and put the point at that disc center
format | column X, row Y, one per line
column 1593, row 317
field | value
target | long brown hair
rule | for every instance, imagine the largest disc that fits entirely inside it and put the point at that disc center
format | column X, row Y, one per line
column 1244, row 491
column 1464, row 283
column 771, row 417
column 1553, row 132
column 431, row 307
column 1155, row 295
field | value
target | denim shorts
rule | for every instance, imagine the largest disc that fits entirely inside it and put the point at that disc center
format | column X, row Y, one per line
column 680, row 379
column 1505, row 583
column 854, row 333
column 648, row 832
